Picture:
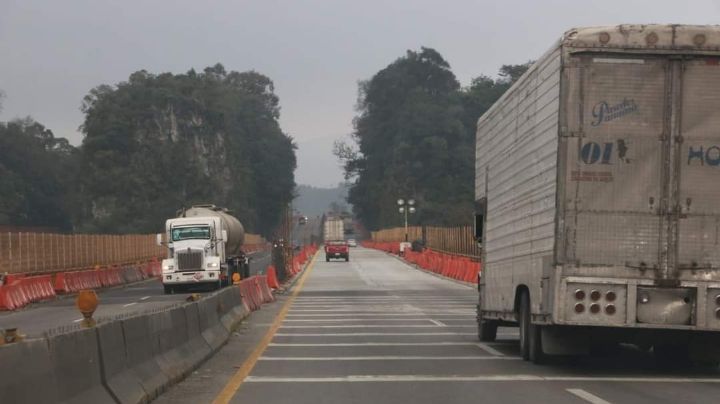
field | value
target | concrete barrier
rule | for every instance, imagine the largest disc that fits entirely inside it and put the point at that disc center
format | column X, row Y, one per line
column 26, row 374
column 174, row 358
column 123, row 384
column 141, row 349
column 75, row 362
column 127, row 361
column 214, row 333
column 198, row 347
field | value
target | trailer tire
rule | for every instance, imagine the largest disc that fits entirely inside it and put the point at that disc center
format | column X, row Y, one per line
column 169, row 290
column 524, row 323
column 347, row 258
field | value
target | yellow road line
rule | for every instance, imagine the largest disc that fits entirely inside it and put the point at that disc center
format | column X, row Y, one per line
column 238, row 378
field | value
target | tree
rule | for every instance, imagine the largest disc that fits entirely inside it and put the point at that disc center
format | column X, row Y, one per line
column 407, row 132
column 156, row 143
column 414, row 137
column 36, row 176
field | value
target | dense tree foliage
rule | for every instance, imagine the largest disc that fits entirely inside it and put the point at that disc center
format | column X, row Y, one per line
column 414, row 138
column 36, row 176
column 156, row 143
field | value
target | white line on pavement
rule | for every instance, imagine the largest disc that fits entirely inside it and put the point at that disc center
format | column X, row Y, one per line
column 375, row 326
column 383, row 358
column 145, row 298
column 485, row 378
column 490, row 350
column 370, row 334
column 129, row 304
column 589, row 397
column 361, row 310
column 377, row 344
column 382, row 315
column 438, row 323
column 345, row 320
column 78, row 320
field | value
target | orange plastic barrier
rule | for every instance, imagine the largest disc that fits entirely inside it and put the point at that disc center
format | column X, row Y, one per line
column 21, row 291
column 457, row 267
column 272, row 279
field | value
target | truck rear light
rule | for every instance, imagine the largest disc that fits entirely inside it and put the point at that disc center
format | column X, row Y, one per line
column 610, row 296
column 595, row 295
column 610, row 309
column 580, row 294
column 594, row 308
column 579, row 308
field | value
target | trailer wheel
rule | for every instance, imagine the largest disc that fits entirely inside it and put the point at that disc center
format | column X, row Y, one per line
column 327, row 259
column 169, row 290
column 524, row 322
column 347, row 258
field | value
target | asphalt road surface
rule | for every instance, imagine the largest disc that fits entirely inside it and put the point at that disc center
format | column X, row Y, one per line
column 375, row 330
column 61, row 315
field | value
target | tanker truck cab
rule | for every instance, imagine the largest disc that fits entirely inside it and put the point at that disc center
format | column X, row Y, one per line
column 196, row 253
column 204, row 246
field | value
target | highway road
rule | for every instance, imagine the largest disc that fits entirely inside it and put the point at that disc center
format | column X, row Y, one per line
column 375, row 330
column 61, row 315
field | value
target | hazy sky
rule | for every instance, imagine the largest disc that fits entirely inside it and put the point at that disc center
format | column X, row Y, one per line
column 53, row 52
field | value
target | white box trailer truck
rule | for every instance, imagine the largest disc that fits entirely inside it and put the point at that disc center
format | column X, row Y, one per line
column 597, row 197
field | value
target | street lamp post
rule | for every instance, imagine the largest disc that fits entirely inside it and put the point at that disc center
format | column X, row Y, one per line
column 406, row 207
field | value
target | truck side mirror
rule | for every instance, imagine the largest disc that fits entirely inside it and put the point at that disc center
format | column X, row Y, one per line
column 159, row 239
column 224, row 236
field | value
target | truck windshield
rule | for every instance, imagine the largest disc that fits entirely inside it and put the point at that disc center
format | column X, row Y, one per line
column 186, row 233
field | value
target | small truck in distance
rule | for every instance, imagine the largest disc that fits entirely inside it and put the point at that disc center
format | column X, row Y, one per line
column 337, row 249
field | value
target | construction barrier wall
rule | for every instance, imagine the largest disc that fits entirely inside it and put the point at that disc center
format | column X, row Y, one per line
column 458, row 267
column 26, row 252
column 453, row 240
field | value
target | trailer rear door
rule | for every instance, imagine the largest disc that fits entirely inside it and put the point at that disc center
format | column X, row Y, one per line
column 698, row 164
column 616, row 140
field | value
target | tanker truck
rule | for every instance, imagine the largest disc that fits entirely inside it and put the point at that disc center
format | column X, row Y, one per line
column 204, row 249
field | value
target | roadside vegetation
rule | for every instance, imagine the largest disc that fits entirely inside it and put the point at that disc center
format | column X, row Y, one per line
column 153, row 144
column 414, row 137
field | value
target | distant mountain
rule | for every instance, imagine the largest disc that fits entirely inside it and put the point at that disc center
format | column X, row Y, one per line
column 312, row 201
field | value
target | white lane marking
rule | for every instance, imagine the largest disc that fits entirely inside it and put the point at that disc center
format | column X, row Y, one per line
column 446, row 343
column 78, row 320
column 129, row 304
column 490, row 350
column 370, row 334
column 381, row 315
column 353, row 311
column 384, row 358
column 589, row 397
column 374, row 326
column 486, row 378
column 437, row 323
column 345, row 320
column 145, row 298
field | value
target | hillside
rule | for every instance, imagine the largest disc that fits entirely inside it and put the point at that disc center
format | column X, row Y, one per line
column 312, row 201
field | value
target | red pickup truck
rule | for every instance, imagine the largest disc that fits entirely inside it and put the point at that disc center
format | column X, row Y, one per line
column 337, row 249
